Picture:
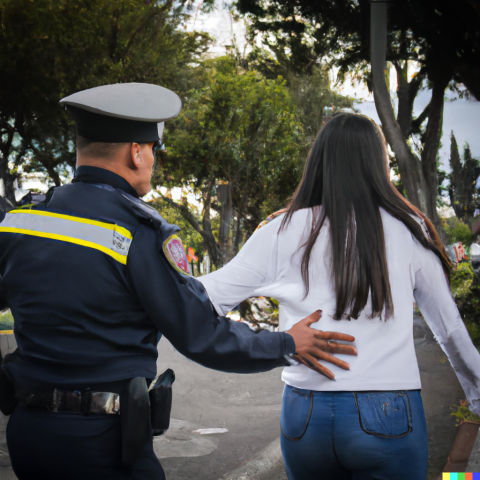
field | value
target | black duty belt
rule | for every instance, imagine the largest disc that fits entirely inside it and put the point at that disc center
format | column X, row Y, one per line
column 85, row 402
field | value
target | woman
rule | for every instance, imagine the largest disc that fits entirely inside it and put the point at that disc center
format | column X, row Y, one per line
column 351, row 246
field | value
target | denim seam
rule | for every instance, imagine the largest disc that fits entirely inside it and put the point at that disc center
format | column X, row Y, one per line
column 381, row 434
column 296, row 439
column 333, row 432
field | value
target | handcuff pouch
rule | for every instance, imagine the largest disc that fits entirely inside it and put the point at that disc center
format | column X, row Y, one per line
column 160, row 393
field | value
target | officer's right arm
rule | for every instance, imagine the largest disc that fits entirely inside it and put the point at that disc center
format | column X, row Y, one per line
column 179, row 307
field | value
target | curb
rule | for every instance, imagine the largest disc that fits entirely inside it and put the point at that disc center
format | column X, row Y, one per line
column 265, row 463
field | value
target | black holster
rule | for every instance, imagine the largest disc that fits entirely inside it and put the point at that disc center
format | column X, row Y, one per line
column 135, row 420
column 144, row 413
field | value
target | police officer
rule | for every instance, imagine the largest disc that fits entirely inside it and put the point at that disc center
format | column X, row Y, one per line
column 92, row 274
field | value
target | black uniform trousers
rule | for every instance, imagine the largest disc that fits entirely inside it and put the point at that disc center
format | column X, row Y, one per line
column 71, row 446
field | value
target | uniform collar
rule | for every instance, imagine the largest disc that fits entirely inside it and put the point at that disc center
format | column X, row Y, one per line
column 87, row 174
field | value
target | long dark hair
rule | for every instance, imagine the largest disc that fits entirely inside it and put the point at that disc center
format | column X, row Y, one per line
column 347, row 174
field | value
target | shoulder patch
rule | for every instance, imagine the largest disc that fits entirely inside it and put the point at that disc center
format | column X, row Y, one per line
column 175, row 253
column 271, row 217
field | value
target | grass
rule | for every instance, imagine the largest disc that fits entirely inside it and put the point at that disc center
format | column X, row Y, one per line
column 6, row 321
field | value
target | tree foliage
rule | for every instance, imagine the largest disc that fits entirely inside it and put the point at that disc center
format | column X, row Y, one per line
column 442, row 37
column 52, row 48
column 238, row 144
column 464, row 196
column 457, row 231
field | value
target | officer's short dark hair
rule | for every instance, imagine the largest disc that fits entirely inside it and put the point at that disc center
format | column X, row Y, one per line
column 91, row 148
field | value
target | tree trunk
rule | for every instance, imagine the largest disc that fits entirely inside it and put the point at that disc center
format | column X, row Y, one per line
column 7, row 182
column 54, row 176
column 418, row 177
column 225, row 198
column 238, row 230
column 430, row 150
column 404, row 115
column 406, row 93
column 3, row 176
column 408, row 164
column 207, row 233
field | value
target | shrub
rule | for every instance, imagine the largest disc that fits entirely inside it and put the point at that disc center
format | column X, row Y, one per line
column 457, row 231
column 6, row 321
column 465, row 287
column 463, row 414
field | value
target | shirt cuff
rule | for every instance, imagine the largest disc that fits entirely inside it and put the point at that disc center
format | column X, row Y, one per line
column 289, row 344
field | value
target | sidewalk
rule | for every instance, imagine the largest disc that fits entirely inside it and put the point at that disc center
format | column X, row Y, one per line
column 249, row 407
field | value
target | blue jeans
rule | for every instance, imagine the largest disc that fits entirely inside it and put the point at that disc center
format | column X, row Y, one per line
column 353, row 435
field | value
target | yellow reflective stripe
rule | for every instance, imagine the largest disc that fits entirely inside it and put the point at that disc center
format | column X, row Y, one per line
column 65, row 238
column 108, row 226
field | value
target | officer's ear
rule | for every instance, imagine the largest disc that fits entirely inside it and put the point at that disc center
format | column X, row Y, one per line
column 135, row 152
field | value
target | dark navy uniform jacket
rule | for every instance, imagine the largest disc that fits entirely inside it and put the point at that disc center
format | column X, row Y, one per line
column 89, row 288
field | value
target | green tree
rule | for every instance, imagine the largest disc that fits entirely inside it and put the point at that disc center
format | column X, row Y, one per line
column 52, row 48
column 239, row 145
column 464, row 197
column 441, row 36
column 315, row 100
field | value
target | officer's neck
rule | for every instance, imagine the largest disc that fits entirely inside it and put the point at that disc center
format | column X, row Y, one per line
column 127, row 172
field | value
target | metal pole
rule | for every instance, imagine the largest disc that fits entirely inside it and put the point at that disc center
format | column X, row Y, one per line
column 378, row 41
column 378, row 51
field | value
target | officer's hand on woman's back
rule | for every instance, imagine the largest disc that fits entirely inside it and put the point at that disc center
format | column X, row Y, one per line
column 311, row 344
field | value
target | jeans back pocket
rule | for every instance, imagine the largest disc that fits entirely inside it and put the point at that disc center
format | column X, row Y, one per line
column 297, row 408
column 385, row 414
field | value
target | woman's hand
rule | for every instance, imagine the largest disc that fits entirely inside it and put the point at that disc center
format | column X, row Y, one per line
column 312, row 344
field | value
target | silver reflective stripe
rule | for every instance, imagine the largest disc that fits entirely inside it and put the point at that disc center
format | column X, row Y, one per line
column 111, row 239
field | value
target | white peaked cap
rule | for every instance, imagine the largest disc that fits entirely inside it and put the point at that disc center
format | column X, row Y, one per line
column 123, row 112
column 142, row 102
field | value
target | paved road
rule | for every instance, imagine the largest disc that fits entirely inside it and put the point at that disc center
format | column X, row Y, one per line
column 249, row 407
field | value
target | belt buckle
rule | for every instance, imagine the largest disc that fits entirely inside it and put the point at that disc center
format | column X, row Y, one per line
column 57, row 400
column 105, row 402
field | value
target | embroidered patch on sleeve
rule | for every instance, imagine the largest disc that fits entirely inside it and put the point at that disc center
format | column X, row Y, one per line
column 175, row 253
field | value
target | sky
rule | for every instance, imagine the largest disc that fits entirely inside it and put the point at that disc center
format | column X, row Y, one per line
column 460, row 116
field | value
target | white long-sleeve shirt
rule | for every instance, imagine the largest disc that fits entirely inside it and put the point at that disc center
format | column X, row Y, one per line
column 269, row 264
